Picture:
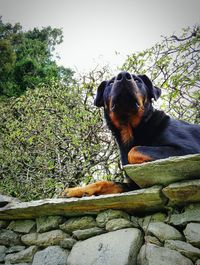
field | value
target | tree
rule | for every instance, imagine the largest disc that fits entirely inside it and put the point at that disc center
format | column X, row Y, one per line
column 27, row 58
column 174, row 65
column 51, row 137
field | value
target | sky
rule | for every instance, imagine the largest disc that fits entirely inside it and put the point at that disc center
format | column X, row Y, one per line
column 103, row 31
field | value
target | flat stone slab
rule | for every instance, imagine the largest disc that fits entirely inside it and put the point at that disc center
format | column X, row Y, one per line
column 135, row 201
column 183, row 192
column 165, row 171
column 4, row 199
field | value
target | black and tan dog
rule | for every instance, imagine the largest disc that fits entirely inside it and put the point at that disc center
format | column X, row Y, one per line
column 143, row 134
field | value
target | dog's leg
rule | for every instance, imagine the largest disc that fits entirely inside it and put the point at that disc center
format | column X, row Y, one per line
column 97, row 188
column 141, row 154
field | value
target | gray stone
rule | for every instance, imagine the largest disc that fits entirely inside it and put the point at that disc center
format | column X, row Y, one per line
column 18, row 263
column 53, row 255
column 152, row 240
column 47, row 223
column 154, row 255
column 162, row 231
column 78, row 223
column 2, row 253
column 22, row 256
column 184, row 248
column 156, row 217
column 4, row 223
column 118, row 248
column 68, row 243
column 4, row 200
column 9, row 238
column 87, row 233
column 142, row 200
column 105, row 216
column 135, row 220
column 183, row 192
column 165, row 171
column 44, row 239
column 22, row 226
column 197, row 262
column 191, row 214
column 15, row 249
column 192, row 234
column 116, row 224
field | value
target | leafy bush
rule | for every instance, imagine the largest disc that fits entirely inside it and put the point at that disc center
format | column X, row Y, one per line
column 51, row 137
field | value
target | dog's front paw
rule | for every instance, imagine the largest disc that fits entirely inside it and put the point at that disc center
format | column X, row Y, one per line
column 98, row 188
column 73, row 192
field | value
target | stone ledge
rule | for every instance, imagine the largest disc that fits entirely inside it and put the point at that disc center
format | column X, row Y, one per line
column 184, row 169
column 143, row 200
column 165, row 171
column 183, row 192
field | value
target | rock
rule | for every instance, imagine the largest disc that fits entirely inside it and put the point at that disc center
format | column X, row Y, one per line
column 105, row 216
column 135, row 220
column 154, row 255
column 135, row 201
column 78, row 223
column 164, row 171
column 22, row 256
column 183, row 192
column 44, row 239
column 15, row 249
column 53, row 255
column 2, row 253
column 9, row 238
column 19, row 263
column 118, row 248
column 162, row 231
column 192, row 234
column 156, row 217
column 47, row 223
column 197, row 262
column 68, row 243
column 191, row 214
column 116, row 224
column 22, row 226
column 3, row 224
column 153, row 240
column 87, row 233
column 4, row 200
column 184, row 248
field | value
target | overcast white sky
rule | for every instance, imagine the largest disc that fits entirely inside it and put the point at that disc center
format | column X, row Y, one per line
column 95, row 29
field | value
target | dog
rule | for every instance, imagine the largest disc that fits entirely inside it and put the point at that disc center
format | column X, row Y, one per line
column 143, row 133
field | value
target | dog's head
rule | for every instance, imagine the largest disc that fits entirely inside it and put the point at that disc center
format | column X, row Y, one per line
column 127, row 97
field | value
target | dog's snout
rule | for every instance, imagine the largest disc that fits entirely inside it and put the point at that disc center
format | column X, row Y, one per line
column 124, row 75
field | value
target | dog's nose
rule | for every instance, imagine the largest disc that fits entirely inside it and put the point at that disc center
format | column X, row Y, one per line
column 124, row 75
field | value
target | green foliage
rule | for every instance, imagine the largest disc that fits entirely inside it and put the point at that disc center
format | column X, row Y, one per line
column 27, row 59
column 50, row 137
column 174, row 65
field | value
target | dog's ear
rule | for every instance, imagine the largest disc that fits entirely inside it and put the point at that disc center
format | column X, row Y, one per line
column 99, row 96
column 154, row 91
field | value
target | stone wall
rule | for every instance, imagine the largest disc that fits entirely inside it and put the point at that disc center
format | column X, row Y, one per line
column 159, row 225
column 110, row 237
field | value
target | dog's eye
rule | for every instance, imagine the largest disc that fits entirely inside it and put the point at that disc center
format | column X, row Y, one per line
column 111, row 83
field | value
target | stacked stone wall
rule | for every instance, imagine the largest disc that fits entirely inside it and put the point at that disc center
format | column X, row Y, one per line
column 109, row 237
column 159, row 225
